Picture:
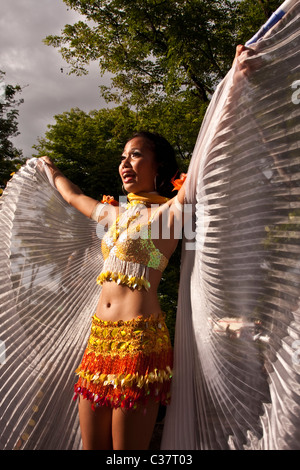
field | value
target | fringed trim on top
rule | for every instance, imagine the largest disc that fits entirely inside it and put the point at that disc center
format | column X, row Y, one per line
column 129, row 251
column 133, row 275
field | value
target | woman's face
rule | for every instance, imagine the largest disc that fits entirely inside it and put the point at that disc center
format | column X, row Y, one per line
column 138, row 167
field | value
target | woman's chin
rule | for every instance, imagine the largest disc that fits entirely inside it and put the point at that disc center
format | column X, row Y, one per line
column 129, row 187
column 132, row 187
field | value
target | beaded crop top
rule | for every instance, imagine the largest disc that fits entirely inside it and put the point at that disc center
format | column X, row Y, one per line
column 128, row 249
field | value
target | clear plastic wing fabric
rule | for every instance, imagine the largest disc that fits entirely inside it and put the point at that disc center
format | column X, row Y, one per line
column 50, row 258
column 236, row 381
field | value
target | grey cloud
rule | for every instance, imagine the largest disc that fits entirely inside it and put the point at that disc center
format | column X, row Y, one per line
column 36, row 67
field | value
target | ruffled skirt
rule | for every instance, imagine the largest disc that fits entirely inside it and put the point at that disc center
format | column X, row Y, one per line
column 126, row 363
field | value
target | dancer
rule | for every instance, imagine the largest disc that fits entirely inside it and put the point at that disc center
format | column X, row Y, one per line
column 127, row 367
column 238, row 391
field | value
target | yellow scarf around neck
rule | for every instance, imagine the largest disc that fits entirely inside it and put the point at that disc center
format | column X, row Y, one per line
column 147, row 198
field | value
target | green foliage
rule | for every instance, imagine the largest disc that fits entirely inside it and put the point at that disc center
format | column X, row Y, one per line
column 178, row 120
column 87, row 147
column 156, row 48
column 10, row 157
column 284, row 232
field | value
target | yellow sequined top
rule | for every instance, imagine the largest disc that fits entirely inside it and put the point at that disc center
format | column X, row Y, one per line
column 128, row 249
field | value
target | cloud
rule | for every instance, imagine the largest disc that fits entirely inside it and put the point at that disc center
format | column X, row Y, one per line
column 36, row 67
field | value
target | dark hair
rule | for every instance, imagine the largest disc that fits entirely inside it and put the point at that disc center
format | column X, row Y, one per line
column 165, row 158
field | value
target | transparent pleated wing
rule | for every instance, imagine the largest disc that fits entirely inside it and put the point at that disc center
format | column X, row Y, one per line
column 50, row 258
column 237, row 345
column 236, row 378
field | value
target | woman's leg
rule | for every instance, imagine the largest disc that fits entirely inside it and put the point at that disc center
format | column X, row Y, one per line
column 133, row 429
column 95, row 425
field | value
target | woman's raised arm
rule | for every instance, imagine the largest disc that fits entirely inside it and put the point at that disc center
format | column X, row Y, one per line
column 76, row 198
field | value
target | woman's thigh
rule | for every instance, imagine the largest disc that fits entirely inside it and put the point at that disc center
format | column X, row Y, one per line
column 95, row 426
column 133, row 429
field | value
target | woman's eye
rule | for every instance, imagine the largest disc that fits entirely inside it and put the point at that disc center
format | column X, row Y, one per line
column 133, row 154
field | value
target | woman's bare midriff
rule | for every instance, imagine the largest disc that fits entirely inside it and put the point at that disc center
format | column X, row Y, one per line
column 119, row 302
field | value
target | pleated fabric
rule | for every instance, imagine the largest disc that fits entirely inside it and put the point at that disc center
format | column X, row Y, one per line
column 50, row 257
column 236, row 382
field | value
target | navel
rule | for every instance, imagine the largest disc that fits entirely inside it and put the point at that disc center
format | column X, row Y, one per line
column 108, row 305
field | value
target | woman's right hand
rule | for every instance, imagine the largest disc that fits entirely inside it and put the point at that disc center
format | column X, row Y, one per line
column 50, row 165
column 47, row 160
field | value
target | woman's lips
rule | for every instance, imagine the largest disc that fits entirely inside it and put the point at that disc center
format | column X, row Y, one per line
column 127, row 177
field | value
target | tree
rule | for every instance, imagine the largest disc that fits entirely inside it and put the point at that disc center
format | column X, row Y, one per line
column 153, row 47
column 252, row 14
column 87, row 147
column 178, row 120
column 157, row 48
column 10, row 157
column 166, row 58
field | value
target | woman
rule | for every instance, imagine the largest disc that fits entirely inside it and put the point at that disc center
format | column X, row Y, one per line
column 126, row 370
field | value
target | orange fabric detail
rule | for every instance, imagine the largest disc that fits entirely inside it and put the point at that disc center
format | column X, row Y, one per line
column 126, row 363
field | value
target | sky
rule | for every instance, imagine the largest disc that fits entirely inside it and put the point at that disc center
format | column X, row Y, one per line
column 28, row 62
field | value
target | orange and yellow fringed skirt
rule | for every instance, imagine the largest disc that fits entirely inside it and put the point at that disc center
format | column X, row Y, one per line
column 125, row 363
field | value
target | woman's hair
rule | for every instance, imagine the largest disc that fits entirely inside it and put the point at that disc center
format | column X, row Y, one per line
column 165, row 158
